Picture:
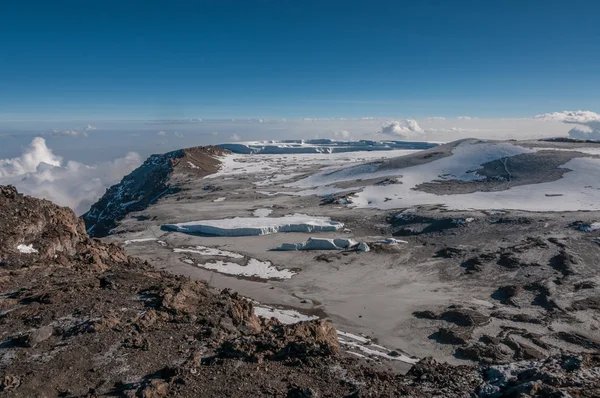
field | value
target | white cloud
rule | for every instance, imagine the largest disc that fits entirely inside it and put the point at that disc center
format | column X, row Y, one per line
column 436, row 118
column 68, row 133
column 345, row 134
column 41, row 173
column 457, row 130
column 162, row 133
column 235, row 137
column 178, row 135
column 401, row 128
column 77, row 132
column 585, row 133
column 37, row 153
column 465, row 118
column 589, row 121
column 579, row 117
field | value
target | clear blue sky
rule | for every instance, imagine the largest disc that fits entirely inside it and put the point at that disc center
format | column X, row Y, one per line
column 76, row 60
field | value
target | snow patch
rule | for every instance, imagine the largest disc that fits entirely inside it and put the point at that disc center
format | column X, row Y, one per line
column 208, row 251
column 391, row 241
column 366, row 347
column 26, row 249
column 262, row 212
column 219, row 199
column 130, row 241
column 460, row 221
column 251, row 226
column 287, row 317
column 254, row 268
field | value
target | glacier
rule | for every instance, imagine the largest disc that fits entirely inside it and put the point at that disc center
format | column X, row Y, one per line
column 318, row 244
column 252, row 226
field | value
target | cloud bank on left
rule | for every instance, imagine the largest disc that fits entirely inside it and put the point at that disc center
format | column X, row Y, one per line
column 41, row 173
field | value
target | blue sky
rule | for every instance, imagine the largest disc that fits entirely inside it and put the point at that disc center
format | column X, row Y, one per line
column 109, row 60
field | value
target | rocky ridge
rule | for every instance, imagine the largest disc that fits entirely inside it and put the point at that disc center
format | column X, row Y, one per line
column 79, row 318
column 149, row 182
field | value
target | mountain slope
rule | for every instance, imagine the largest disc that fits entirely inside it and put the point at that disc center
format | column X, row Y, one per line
column 82, row 319
column 147, row 184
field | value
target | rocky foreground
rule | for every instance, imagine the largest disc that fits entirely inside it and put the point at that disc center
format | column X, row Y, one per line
column 79, row 318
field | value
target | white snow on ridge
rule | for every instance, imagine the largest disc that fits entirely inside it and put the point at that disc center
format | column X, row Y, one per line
column 391, row 241
column 287, row 317
column 377, row 351
column 270, row 170
column 26, row 249
column 580, row 188
column 254, row 268
column 250, row 226
column 130, row 241
column 208, row 251
column 460, row 166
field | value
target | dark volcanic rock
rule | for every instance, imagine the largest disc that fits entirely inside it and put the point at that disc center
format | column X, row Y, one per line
column 508, row 294
column 510, row 260
column 518, row 317
column 465, row 317
column 587, row 303
column 564, row 262
column 425, row 314
column 450, row 252
column 475, row 264
column 485, row 353
column 457, row 336
column 580, row 340
column 585, row 285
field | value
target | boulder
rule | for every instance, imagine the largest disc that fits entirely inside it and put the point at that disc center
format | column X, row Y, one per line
column 363, row 247
column 465, row 317
column 39, row 335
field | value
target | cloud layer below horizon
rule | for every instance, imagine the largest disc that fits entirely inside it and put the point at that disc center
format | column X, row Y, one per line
column 588, row 121
column 39, row 172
